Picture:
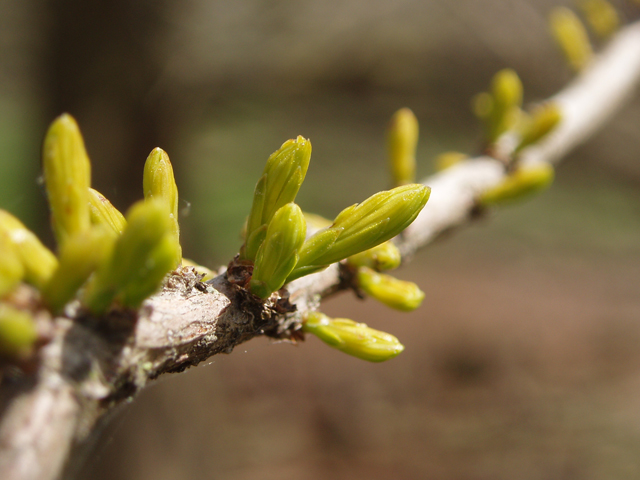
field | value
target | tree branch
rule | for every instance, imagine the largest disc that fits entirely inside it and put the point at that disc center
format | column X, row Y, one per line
column 90, row 365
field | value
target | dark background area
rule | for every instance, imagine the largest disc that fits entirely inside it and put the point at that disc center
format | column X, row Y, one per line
column 523, row 361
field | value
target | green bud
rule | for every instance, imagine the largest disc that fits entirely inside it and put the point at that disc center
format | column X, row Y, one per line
column 449, row 159
column 18, row 332
column 11, row 269
column 506, row 90
column 80, row 255
column 571, row 36
column 353, row 338
column 394, row 293
column 137, row 264
column 158, row 183
column 541, row 121
column 278, row 254
column 523, row 182
column 148, row 278
column 36, row 259
column 402, row 140
column 385, row 256
column 67, row 174
column 101, row 212
column 363, row 226
column 279, row 185
column 602, row 16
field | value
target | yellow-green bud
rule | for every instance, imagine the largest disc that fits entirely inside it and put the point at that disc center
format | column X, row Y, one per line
column 67, row 174
column 449, row 159
column 11, row 269
column 102, row 212
column 394, row 293
column 571, row 37
column 282, row 177
column 506, row 90
column 541, row 121
column 208, row 274
column 402, row 140
column 363, row 226
column 148, row 278
column 159, row 184
column 80, row 255
column 38, row 261
column 278, row 254
column 18, row 332
column 385, row 256
column 137, row 264
column 523, row 182
column 602, row 16
column 353, row 338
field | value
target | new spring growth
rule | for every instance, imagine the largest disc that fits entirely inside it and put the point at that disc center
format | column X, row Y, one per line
column 394, row 293
column 158, row 183
column 101, row 212
column 601, row 16
column 17, row 332
column 542, row 120
column 402, row 140
column 362, row 226
column 67, row 174
column 571, row 37
column 385, row 256
column 278, row 254
column 500, row 109
column 37, row 260
column 79, row 257
column 353, row 338
column 523, row 182
column 282, row 177
column 11, row 269
column 138, row 262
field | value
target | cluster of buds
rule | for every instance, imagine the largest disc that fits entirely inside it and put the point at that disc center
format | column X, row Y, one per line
column 104, row 259
column 283, row 244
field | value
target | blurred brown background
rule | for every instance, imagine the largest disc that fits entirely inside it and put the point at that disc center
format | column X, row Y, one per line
column 523, row 362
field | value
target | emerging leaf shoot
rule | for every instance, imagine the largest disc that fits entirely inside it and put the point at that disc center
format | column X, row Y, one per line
column 102, row 212
column 394, row 293
column 523, row 182
column 67, row 174
column 353, row 338
column 402, row 140
column 571, row 37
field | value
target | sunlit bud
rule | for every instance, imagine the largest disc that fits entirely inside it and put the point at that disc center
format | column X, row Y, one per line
column 11, row 269
column 279, row 185
column 523, row 182
column 394, row 293
column 506, row 90
column 278, row 254
column 541, row 121
column 402, row 140
column 133, row 267
column 313, row 248
column 17, row 332
column 148, row 277
column 158, row 183
column 449, row 159
column 601, row 16
column 102, row 212
column 353, row 338
column 202, row 270
column 67, row 174
column 79, row 256
column 37, row 260
column 571, row 36
column 385, row 256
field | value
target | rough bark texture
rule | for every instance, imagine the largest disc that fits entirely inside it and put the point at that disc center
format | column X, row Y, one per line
column 90, row 365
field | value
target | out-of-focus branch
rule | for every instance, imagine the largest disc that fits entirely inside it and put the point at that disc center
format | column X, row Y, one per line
column 92, row 364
